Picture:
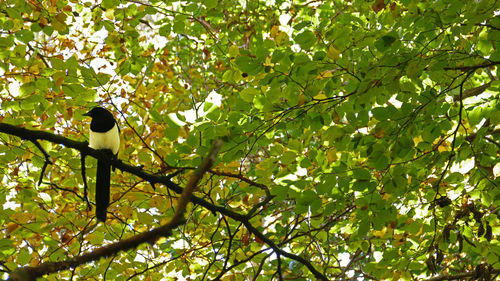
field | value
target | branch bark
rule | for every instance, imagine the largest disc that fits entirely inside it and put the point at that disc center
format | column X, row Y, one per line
column 473, row 92
column 460, row 276
column 473, row 67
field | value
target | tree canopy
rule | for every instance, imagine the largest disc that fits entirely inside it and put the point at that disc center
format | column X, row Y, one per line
column 360, row 139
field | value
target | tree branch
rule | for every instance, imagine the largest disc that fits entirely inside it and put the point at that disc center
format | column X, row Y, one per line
column 473, row 67
column 473, row 92
column 84, row 178
column 460, row 276
column 47, row 159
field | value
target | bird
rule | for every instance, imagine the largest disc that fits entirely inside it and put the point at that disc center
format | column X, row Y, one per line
column 104, row 135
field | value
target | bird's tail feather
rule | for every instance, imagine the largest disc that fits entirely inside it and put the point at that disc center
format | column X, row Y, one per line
column 102, row 189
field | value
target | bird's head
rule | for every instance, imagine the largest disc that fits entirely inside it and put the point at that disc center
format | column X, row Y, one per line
column 99, row 113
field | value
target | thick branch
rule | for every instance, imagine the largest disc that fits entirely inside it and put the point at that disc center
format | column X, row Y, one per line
column 31, row 273
column 28, row 134
column 460, row 276
column 473, row 67
column 473, row 92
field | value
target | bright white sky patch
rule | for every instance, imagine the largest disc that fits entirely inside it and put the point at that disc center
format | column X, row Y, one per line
column 214, row 98
column 463, row 167
column 344, row 259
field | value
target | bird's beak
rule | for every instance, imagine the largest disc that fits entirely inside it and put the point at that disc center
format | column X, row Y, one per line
column 86, row 114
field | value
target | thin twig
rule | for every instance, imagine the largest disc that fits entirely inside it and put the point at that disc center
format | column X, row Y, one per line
column 47, row 159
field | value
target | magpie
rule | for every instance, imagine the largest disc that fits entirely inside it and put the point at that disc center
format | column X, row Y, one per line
column 104, row 136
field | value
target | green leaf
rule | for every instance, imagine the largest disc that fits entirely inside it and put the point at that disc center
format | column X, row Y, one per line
column 335, row 132
column 247, row 65
column 155, row 115
column 25, row 36
column 6, row 42
column 305, row 163
column 361, row 174
column 385, row 42
column 248, row 94
column 338, row 119
column 305, row 39
column 280, row 192
column 23, row 257
column 234, row 51
column 455, row 177
column 384, row 113
column 362, row 185
column 495, row 117
column 326, row 186
column 378, row 160
column 288, row 157
column 109, row 4
column 364, row 227
column 74, row 90
column 210, row 4
column 179, row 24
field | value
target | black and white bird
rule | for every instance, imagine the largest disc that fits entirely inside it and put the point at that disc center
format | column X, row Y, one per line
column 105, row 136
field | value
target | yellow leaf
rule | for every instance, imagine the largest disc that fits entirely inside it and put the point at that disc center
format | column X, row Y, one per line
column 141, row 90
column 11, row 227
column 302, row 100
column 130, row 271
column 34, row 69
column 274, row 31
column 129, row 79
column 155, row 201
column 417, row 140
column 444, row 146
column 43, row 21
column 281, row 38
column 333, row 53
column 331, row 155
column 21, row 218
column 234, row 51
column 170, row 73
column 320, row 96
column 52, row 9
column 325, row 74
column 396, row 275
column 126, row 211
column 268, row 62
column 380, row 233
column 378, row 132
column 110, row 14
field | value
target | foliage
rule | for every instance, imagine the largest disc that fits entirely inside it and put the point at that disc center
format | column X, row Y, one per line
column 361, row 138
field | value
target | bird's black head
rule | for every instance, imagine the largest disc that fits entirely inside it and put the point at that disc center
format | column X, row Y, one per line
column 99, row 113
column 102, row 119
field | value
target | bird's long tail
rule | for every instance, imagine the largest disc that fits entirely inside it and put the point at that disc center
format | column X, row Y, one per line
column 102, row 189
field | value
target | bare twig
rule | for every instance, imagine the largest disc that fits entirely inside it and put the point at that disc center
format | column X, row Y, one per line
column 84, row 178
column 47, row 159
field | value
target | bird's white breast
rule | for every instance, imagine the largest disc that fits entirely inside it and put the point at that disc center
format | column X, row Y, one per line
column 106, row 140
